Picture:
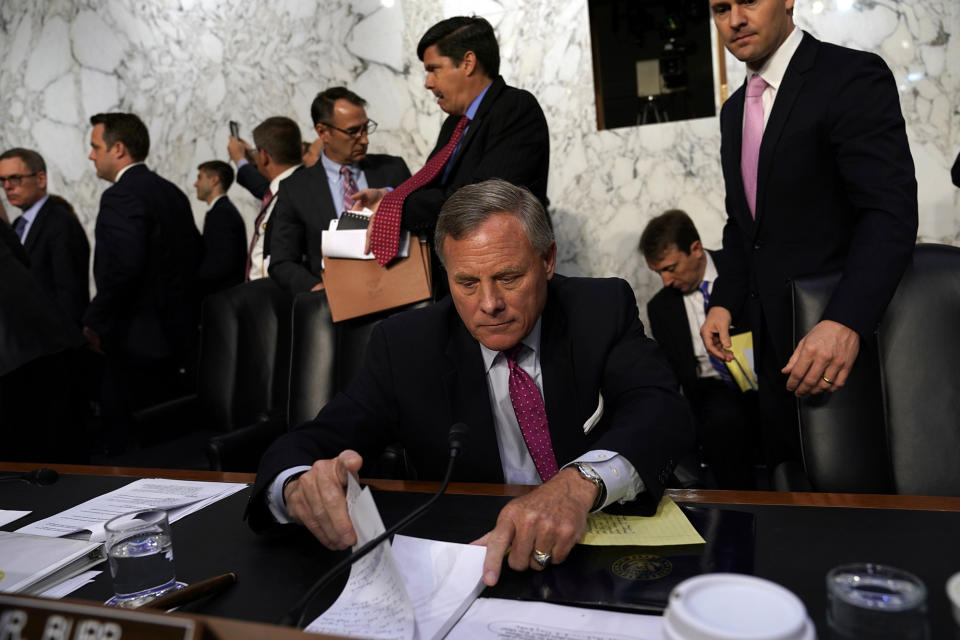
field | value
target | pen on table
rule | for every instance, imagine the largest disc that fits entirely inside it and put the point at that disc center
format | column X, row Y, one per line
column 192, row 592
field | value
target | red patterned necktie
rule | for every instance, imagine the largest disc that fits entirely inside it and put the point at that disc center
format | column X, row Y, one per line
column 349, row 188
column 531, row 416
column 267, row 197
column 385, row 236
column 752, row 135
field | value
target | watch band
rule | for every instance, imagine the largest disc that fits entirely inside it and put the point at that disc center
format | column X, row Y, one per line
column 591, row 474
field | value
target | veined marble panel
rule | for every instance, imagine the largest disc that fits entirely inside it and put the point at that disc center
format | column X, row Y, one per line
column 187, row 67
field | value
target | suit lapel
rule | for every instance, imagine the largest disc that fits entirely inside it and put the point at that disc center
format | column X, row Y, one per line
column 465, row 387
column 560, row 390
column 787, row 94
column 733, row 131
column 679, row 335
column 496, row 88
column 36, row 229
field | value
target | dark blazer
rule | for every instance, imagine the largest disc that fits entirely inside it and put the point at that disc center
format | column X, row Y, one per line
column 305, row 210
column 60, row 258
column 507, row 139
column 955, row 171
column 835, row 192
column 145, row 261
column 31, row 325
column 250, row 178
column 224, row 248
column 423, row 372
column 670, row 328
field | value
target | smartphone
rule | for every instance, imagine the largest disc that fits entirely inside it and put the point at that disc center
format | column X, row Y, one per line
column 235, row 129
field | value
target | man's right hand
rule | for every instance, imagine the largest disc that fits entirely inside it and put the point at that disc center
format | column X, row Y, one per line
column 317, row 500
column 239, row 149
column 715, row 333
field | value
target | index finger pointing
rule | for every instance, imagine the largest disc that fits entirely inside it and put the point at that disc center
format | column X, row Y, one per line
column 498, row 542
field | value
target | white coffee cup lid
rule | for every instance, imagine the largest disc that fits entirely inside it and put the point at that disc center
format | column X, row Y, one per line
column 731, row 606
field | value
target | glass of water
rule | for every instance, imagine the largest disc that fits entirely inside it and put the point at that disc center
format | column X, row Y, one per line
column 140, row 552
column 876, row 601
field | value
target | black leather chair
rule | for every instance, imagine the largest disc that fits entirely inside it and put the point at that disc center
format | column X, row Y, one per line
column 244, row 371
column 893, row 428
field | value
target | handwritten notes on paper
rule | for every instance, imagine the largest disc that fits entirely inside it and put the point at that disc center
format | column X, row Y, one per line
column 668, row 526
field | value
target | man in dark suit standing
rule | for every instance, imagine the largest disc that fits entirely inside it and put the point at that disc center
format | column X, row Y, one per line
column 671, row 246
column 492, row 131
column 52, row 235
column 315, row 196
column 819, row 179
column 143, row 317
column 224, row 237
column 553, row 375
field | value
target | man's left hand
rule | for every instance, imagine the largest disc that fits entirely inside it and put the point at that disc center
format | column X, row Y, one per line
column 550, row 519
column 822, row 359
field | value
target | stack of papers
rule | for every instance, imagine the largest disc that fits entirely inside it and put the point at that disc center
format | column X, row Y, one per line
column 177, row 497
column 31, row 564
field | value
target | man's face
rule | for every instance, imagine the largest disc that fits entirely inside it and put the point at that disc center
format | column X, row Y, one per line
column 681, row 270
column 345, row 148
column 752, row 29
column 497, row 281
column 448, row 82
column 205, row 185
column 105, row 159
column 29, row 190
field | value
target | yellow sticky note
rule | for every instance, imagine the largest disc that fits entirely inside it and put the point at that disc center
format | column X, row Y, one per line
column 668, row 526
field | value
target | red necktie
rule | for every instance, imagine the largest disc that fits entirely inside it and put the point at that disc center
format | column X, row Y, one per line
column 349, row 188
column 385, row 236
column 752, row 135
column 531, row 416
column 267, row 197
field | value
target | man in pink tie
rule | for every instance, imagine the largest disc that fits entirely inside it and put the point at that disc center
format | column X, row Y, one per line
column 554, row 377
column 819, row 179
column 493, row 131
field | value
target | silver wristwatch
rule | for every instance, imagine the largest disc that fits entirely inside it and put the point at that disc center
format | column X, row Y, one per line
column 590, row 474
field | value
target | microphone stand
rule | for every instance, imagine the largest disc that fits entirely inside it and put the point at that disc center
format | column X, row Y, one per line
column 294, row 617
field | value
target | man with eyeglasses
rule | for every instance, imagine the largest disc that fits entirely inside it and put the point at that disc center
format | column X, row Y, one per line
column 51, row 234
column 315, row 196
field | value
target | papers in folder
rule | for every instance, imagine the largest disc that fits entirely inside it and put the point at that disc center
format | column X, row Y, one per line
column 741, row 367
column 337, row 243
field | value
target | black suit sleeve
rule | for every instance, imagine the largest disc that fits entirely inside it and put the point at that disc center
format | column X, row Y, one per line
column 955, row 172
column 287, row 244
column 223, row 250
column 252, row 180
column 515, row 147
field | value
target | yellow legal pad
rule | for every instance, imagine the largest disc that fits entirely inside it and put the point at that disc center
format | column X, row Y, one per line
column 668, row 526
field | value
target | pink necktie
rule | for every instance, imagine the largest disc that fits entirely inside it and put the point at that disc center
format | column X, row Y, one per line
column 752, row 135
column 267, row 197
column 531, row 416
column 385, row 236
column 349, row 188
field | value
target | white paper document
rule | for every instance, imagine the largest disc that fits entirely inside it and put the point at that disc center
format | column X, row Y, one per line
column 415, row 589
column 32, row 564
column 495, row 619
column 349, row 243
column 7, row 516
column 67, row 587
column 178, row 497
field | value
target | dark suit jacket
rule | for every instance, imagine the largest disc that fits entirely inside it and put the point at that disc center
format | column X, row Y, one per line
column 671, row 330
column 955, row 171
column 60, row 258
column 31, row 325
column 305, row 210
column 835, row 192
column 250, row 178
column 423, row 372
column 224, row 248
column 507, row 139
column 145, row 261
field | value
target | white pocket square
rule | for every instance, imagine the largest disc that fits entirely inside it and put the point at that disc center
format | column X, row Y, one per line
column 595, row 418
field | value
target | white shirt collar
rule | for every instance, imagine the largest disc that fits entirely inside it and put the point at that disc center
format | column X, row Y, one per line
column 125, row 169
column 532, row 340
column 775, row 67
column 275, row 183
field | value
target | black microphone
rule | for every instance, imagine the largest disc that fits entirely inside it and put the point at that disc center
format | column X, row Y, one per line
column 294, row 617
column 38, row 477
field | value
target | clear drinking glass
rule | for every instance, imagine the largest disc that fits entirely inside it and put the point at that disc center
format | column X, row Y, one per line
column 140, row 551
column 867, row 600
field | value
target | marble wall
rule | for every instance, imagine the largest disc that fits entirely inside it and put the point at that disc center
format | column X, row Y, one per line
column 188, row 66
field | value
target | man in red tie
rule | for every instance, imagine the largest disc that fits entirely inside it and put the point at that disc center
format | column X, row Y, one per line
column 819, row 179
column 493, row 131
column 554, row 377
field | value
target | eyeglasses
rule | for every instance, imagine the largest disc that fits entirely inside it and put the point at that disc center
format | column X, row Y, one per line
column 367, row 127
column 15, row 180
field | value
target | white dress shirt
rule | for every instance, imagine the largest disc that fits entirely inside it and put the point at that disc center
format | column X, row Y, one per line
column 774, row 69
column 258, row 263
column 696, row 316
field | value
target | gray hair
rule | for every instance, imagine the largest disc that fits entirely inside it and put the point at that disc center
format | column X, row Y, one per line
column 473, row 204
